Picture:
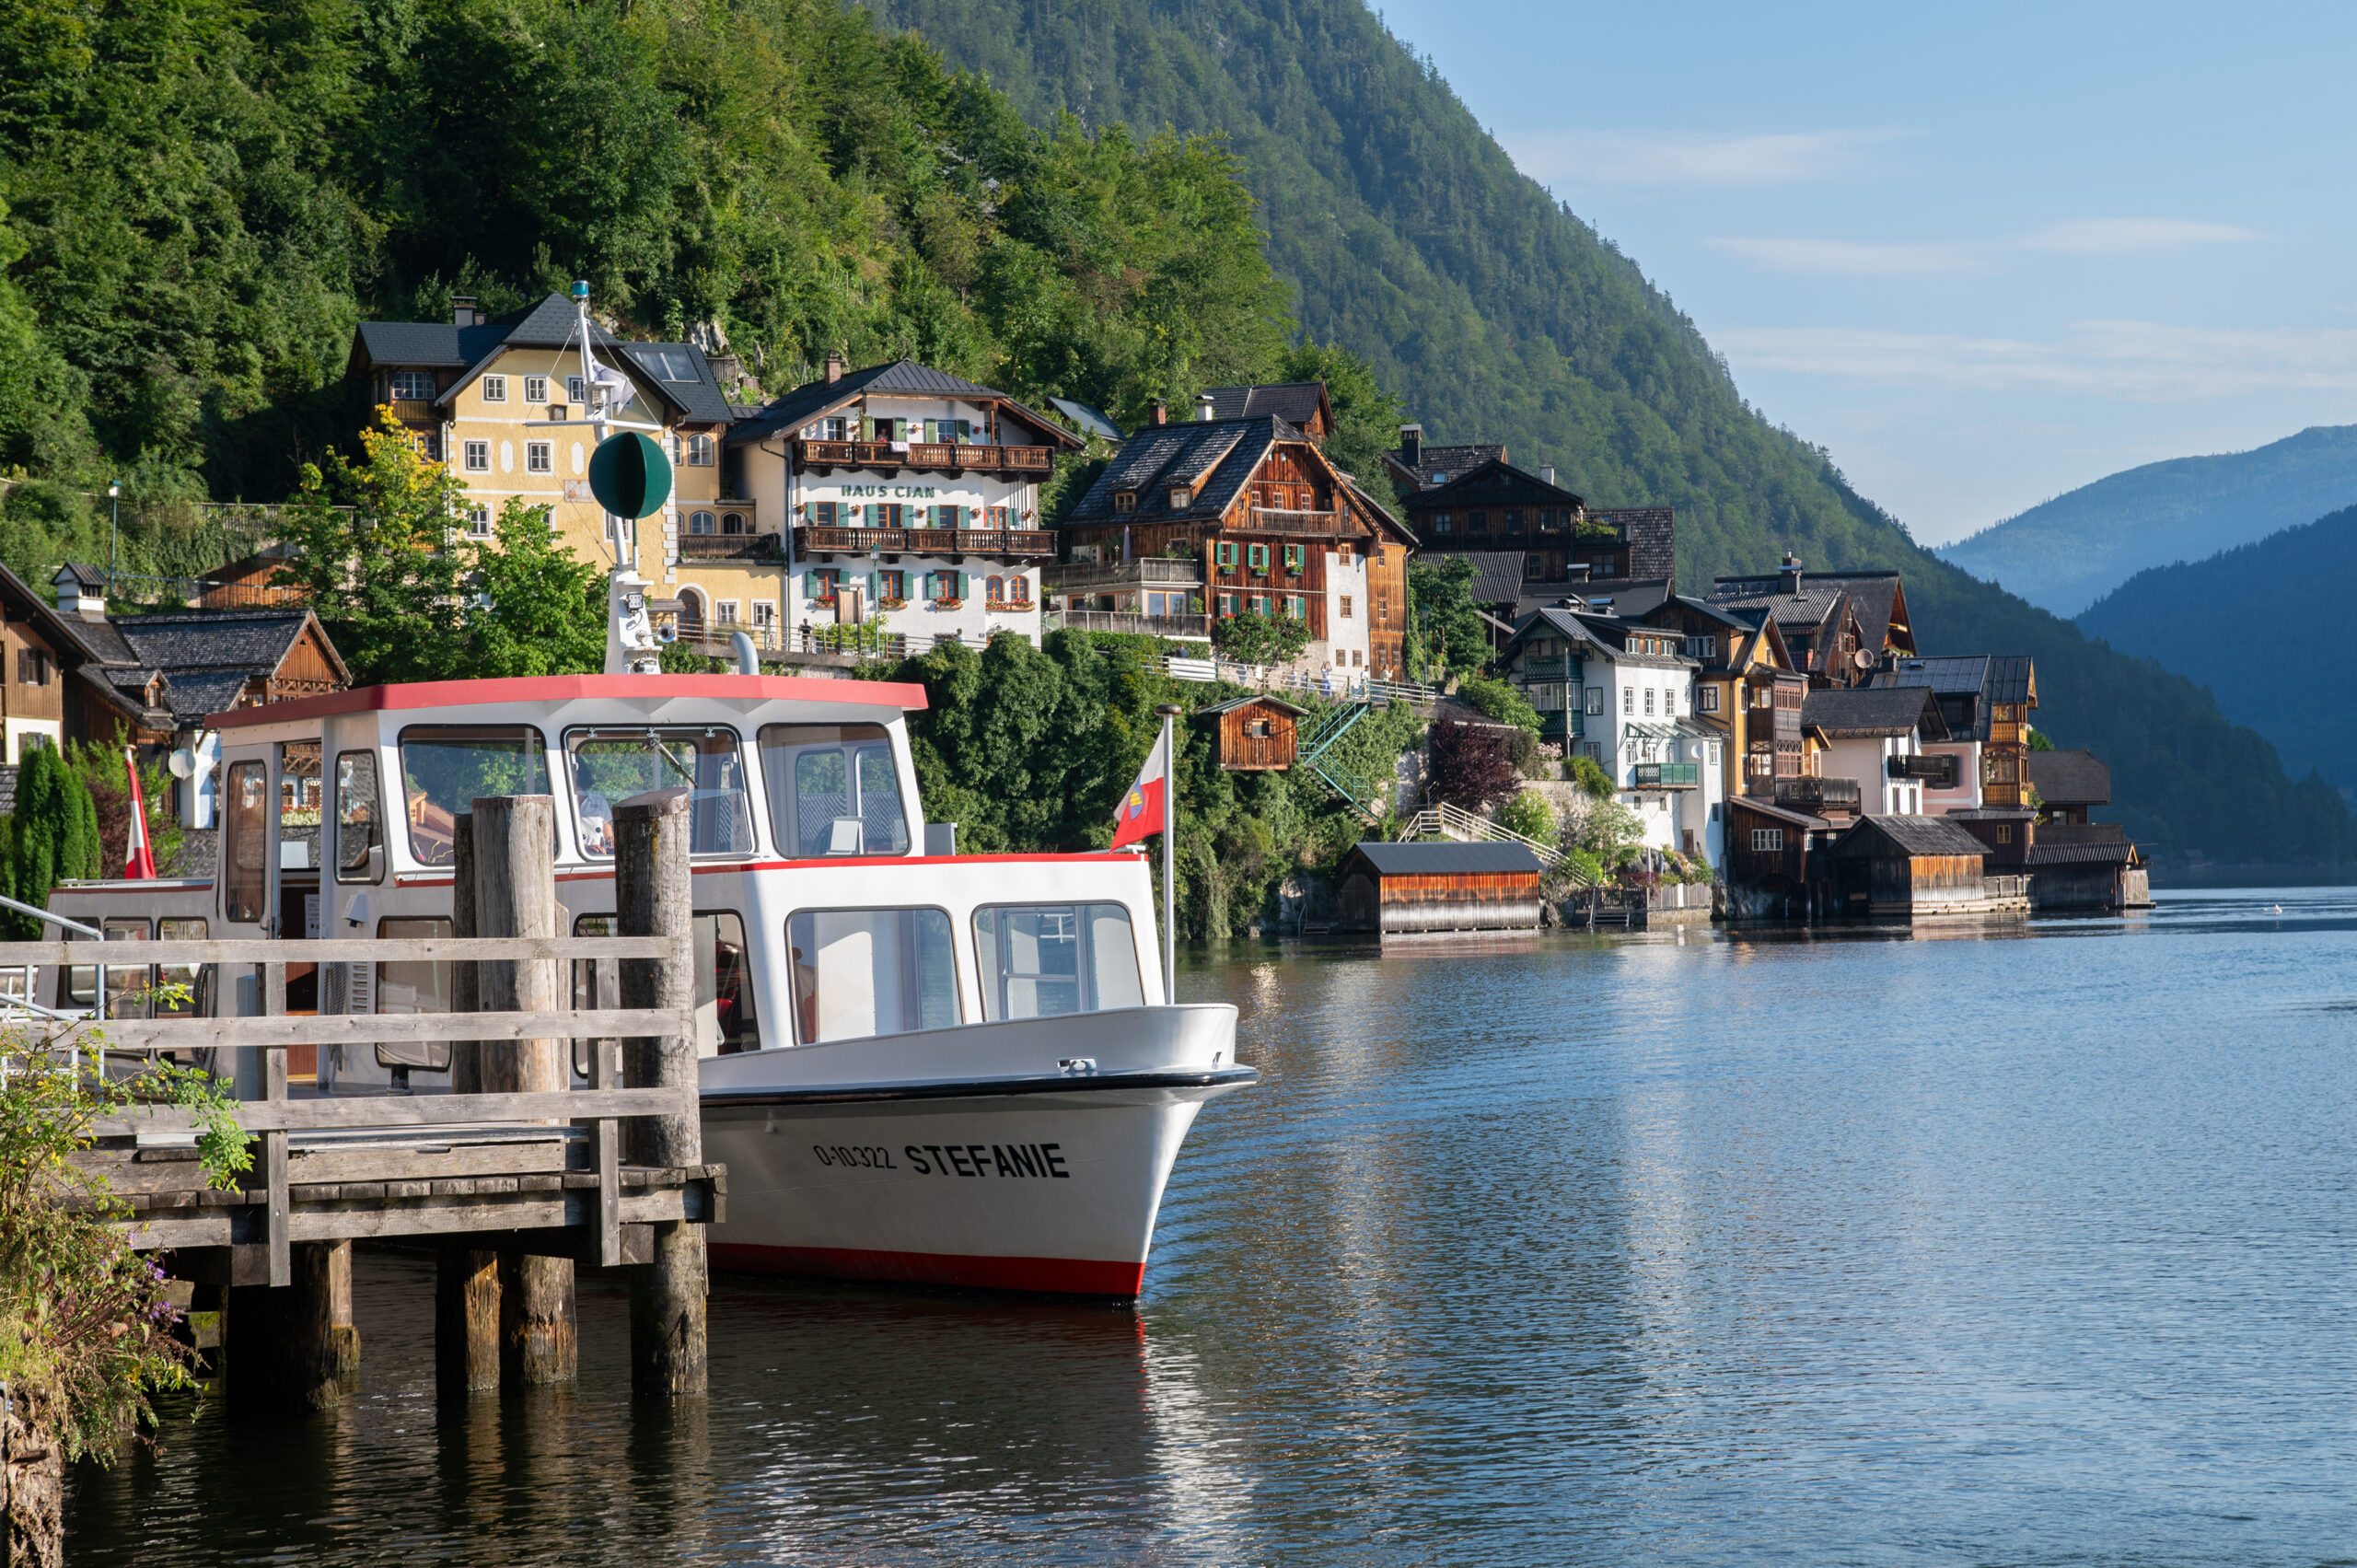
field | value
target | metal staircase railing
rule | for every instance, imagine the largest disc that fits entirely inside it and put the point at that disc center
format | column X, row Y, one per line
column 1448, row 821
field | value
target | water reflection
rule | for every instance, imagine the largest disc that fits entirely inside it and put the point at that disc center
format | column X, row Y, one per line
column 1848, row 1245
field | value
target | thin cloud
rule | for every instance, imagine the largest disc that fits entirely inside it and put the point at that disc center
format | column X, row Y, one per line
column 2085, row 236
column 1686, row 157
column 2129, row 360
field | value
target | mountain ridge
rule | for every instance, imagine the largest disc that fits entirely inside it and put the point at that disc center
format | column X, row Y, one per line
column 2065, row 553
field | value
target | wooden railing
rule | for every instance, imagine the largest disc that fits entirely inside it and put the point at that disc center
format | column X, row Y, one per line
column 1452, row 822
column 272, row 1115
column 923, row 455
column 730, row 547
column 1155, row 570
column 1273, row 520
column 815, row 540
column 1130, row 622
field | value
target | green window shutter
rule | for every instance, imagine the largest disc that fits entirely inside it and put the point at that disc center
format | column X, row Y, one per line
column 962, row 585
column 812, row 584
column 875, row 586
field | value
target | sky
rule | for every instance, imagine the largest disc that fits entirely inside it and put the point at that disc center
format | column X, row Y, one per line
column 1982, row 255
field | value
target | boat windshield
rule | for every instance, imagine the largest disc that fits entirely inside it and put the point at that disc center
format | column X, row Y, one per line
column 1042, row 960
column 833, row 789
column 611, row 765
column 446, row 769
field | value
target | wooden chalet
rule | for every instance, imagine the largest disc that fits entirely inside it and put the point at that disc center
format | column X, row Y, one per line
column 1254, row 734
column 1908, row 867
column 2069, row 784
column 1302, row 405
column 1273, row 528
column 1816, row 616
column 1393, row 888
column 1773, row 857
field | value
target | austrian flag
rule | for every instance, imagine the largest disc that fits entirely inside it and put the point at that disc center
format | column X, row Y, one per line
column 1140, row 814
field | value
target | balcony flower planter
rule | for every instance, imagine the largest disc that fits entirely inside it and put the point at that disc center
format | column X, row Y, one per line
column 1008, row 606
column 891, row 604
column 948, row 604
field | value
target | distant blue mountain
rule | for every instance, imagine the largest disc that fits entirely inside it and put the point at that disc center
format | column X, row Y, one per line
column 2065, row 553
column 2262, row 625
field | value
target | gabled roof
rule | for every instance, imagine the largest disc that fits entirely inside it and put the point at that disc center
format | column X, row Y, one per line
column 1092, row 422
column 1296, row 402
column 1630, row 598
column 1864, row 712
column 1817, row 603
column 1438, row 465
column 1212, row 458
column 686, row 374
column 1875, row 837
column 2079, row 853
column 901, row 377
column 1497, row 575
column 1605, row 634
column 1951, row 675
column 206, row 659
column 2070, row 778
column 1463, row 489
column 1879, row 602
column 1259, row 699
column 1444, row 858
column 1769, row 808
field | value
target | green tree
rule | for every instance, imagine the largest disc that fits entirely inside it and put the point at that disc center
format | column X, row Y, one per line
column 1500, row 701
column 103, row 775
column 1367, row 415
column 532, row 607
column 1529, row 814
column 1445, row 621
column 53, row 834
column 1260, row 639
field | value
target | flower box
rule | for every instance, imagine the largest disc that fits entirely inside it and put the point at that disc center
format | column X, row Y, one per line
column 891, row 604
column 949, row 604
column 1009, row 605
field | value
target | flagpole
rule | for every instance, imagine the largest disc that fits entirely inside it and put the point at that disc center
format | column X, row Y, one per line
column 1169, row 711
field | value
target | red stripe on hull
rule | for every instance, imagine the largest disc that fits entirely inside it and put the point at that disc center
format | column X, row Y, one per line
column 1061, row 1276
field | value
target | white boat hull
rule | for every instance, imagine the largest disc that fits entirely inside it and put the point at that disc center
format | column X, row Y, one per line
column 974, row 1155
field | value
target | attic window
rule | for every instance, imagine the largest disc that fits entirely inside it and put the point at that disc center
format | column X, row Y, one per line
column 1182, row 496
column 1125, row 500
column 671, row 364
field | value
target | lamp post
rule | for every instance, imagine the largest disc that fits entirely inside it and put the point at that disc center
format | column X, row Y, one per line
column 114, row 530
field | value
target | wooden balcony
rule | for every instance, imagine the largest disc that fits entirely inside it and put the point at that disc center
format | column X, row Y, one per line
column 1271, row 519
column 1123, row 621
column 942, row 457
column 730, row 547
column 1937, row 771
column 1819, row 797
column 1010, row 544
column 1552, row 666
column 413, row 411
column 1155, row 571
column 1666, row 775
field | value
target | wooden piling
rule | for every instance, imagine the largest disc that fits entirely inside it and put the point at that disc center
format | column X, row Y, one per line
column 343, row 1336
column 515, row 885
column 466, row 1322
column 668, row 1350
column 281, row 1355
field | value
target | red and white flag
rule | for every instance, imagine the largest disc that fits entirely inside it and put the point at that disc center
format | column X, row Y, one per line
column 141, row 862
column 1140, row 810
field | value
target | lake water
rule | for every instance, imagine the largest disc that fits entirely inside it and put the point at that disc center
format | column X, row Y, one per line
column 2027, row 1247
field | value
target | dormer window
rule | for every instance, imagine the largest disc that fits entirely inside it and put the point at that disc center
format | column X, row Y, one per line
column 1125, row 500
column 1181, row 497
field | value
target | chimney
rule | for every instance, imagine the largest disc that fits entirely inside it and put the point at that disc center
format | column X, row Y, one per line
column 834, row 366
column 1203, row 408
column 1576, row 570
column 1411, row 444
column 464, row 311
column 1162, row 411
column 79, row 593
column 1792, row 574
column 1547, row 474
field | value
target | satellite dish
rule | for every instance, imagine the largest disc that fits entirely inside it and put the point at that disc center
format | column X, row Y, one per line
column 183, row 763
column 629, row 476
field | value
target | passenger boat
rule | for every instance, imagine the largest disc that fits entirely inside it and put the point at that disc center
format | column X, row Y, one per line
column 927, row 1067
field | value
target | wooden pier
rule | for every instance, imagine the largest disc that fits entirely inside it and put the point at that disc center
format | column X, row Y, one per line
column 518, row 1177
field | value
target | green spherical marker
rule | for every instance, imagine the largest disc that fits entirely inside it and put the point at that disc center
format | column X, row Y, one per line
column 629, row 476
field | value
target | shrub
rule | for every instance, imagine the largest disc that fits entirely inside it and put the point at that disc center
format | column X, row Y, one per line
column 1589, row 774
column 1529, row 814
column 1499, row 700
column 1471, row 767
column 1260, row 639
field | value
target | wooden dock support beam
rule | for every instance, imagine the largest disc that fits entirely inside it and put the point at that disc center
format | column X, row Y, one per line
column 343, row 1336
column 466, row 1322
column 668, row 1350
column 515, row 896
column 281, row 1354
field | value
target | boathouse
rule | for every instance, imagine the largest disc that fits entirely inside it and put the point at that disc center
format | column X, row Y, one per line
column 1391, row 888
column 1906, row 867
column 1254, row 734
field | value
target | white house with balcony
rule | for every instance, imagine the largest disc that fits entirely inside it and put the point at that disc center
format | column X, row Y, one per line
column 913, row 497
column 1622, row 695
column 1877, row 734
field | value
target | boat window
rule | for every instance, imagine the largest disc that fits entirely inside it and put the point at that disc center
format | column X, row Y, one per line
column 414, row 985
column 245, row 848
column 611, row 765
column 181, row 975
column 833, row 789
column 1044, row 959
column 864, row 972
column 727, row 1019
column 359, row 817
column 126, row 983
column 446, row 769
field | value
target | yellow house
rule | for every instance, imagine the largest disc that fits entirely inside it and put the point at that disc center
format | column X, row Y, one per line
column 504, row 403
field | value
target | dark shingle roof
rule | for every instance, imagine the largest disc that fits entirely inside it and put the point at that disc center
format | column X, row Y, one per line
column 255, row 640
column 1769, row 808
column 1218, row 456
column 2117, row 854
column 1443, row 859
column 1296, row 402
column 1815, row 604
column 1497, row 575
column 1631, row 598
column 1234, row 702
column 699, row 393
column 1872, row 710
column 1872, row 596
column 1948, row 674
column 2070, row 778
column 902, row 377
column 1651, row 533
column 1875, row 836
column 1438, row 465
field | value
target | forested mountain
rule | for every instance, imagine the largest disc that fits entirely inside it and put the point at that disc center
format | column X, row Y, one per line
column 201, row 200
column 2066, row 553
column 1409, row 239
column 2286, row 599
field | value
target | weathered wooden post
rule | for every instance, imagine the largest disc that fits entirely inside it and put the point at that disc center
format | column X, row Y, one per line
column 466, row 1285
column 281, row 1352
column 515, row 896
column 668, row 1351
column 343, row 1336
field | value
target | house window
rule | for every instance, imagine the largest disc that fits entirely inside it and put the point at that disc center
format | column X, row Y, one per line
column 1382, row 610
column 886, row 514
column 1297, row 608
column 34, row 667
column 1346, row 607
column 413, row 385
column 1669, row 701
column 494, row 388
column 764, row 614
column 1292, row 557
column 999, row 518
column 891, row 589
column 1649, row 701
column 1343, row 551
column 994, row 589
column 1125, row 501
column 1261, row 606
column 478, row 457
column 1514, row 522
column 536, row 389
column 1550, row 697
column 1595, row 701
column 478, row 520
column 819, row 584
column 538, row 457
column 1019, row 590
column 1706, row 699
column 1257, row 554
column 1767, row 840
column 700, row 451
column 2005, row 833
column 573, row 388
column 724, row 612
column 732, row 522
column 699, row 522
column 1477, row 522
column 1224, row 554
column 1181, row 497
column 1227, row 605
column 1629, row 701
column 1443, row 523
